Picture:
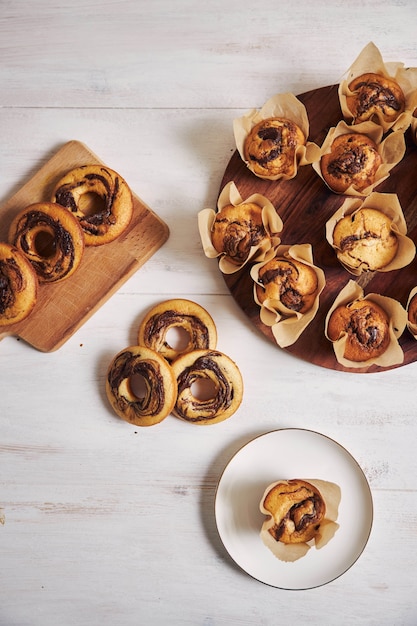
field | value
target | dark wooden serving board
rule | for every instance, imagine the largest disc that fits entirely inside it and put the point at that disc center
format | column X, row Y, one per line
column 61, row 308
column 304, row 205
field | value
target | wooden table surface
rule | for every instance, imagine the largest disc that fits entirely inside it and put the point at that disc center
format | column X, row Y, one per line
column 104, row 523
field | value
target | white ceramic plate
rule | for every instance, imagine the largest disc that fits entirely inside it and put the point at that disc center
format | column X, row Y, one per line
column 285, row 454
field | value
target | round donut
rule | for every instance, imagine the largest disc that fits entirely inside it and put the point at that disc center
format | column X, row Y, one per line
column 160, row 386
column 177, row 313
column 50, row 238
column 236, row 229
column 271, row 145
column 220, row 371
column 292, row 283
column 353, row 160
column 116, row 208
column 366, row 325
column 18, row 285
column 375, row 95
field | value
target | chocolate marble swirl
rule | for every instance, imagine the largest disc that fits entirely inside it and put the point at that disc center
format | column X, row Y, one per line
column 298, row 509
column 222, row 372
column 127, row 364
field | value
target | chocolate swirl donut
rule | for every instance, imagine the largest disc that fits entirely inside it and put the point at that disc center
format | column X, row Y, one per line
column 159, row 386
column 217, row 369
column 366, row 326
column 271, row 145
column 18, row 285
column 297, row 508
column 189, row 316
column 116, row 207
column 374, row 95
column 50, row 238
column 353, row 160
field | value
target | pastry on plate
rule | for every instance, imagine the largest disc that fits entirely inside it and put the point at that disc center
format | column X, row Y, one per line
column 299, row 514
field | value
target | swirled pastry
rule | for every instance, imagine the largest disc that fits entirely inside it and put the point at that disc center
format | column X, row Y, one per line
column 412, row 310
column 297, row 508
column 159, row 391
column 177, row 313
column 365, row 239
column 50, row 238
column 292, row 283
column 366, row 325
column 271, row 145
column 374, row 95
column 353, row 160
column 237, row 229
column 215, row 368
column 115, row 205
column 18, row 285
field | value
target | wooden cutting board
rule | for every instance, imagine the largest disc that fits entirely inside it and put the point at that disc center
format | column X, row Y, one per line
column 305, row 204
column 63, row 307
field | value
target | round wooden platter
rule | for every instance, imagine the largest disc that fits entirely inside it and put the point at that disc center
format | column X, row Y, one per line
column 304, row 205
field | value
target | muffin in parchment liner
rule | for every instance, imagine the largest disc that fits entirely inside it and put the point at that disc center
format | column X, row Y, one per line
column 413, row 123
column 287, row 289
column 296, row 507
column 364, row 330
column 354, row 170
column 273, row 141
column 411, row 309
column 370, row 234
column 378, row 91
column 240, row 231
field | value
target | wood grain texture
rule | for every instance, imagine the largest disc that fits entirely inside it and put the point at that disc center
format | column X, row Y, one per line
column 62, row 307
column 305, row 204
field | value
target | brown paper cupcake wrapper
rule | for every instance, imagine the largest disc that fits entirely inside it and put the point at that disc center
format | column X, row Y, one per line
column 286, row 324
column 391, row 150
column 394, row 354
column 271, row 220
column 370, row 61
column 413, row 123
column 331, row 495
column 284, row 105
column 387, row 203
column 412, row 326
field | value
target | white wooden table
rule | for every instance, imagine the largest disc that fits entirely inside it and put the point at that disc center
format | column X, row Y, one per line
column 104, row 523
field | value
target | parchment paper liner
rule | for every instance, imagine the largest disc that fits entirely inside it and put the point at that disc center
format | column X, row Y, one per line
column 271, row 220
column 331, row 494
column 413, row 123
column 388, row 204
column 284, row 105
column 391, row 150
column 286, row 324
column 370, row 61
column 412, row 327
column 393, row 355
